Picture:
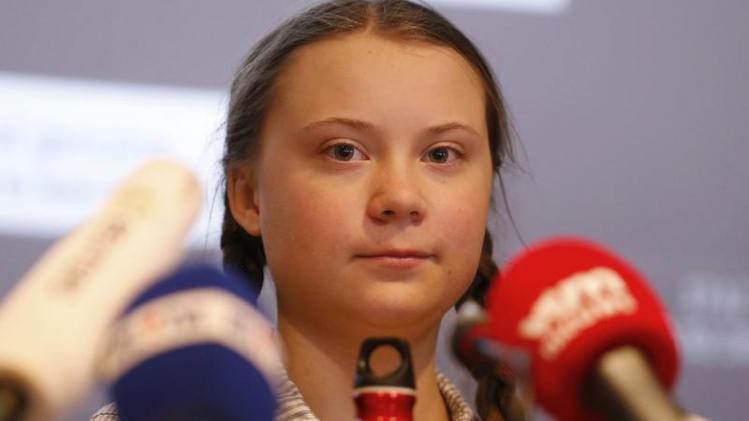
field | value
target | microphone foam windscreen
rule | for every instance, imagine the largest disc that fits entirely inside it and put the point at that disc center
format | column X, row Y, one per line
column 568, row 301
column 193, row 348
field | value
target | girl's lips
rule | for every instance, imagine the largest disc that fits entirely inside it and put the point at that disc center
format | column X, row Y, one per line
column 393, row 262
column 396, row 252
column 398, row 260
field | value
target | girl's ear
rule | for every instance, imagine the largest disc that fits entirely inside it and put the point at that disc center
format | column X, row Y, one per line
column 242, row 193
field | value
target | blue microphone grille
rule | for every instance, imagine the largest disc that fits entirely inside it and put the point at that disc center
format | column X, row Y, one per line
column 200, row 382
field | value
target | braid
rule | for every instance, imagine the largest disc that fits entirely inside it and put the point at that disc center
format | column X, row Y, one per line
column 242, row 251
column 495, row 394
column 484, row 275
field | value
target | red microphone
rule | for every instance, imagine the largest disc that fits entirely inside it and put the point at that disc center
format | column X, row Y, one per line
column 388, row 397
column 598, row 337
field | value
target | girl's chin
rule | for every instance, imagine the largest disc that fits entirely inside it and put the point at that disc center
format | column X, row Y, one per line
column 398, row 312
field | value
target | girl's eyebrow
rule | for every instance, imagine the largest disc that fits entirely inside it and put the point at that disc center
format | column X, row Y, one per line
column 454, row 125
column 350, row 122
column 369, row 127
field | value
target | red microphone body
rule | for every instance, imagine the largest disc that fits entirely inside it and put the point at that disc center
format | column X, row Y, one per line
column 568, row 303
column 384, row 398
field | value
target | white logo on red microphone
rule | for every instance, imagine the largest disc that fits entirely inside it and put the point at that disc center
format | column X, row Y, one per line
column 574, row 304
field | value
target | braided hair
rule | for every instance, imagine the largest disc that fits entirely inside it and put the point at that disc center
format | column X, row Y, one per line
column 251, row 94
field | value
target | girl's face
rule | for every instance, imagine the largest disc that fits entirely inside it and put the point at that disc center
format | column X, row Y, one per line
column 372, row 188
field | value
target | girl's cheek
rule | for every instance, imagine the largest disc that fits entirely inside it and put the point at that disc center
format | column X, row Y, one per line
column 319, row 206
column 463, row 216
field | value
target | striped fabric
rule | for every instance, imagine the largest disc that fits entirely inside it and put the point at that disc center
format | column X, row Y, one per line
column 292, row 407
column 456, row 405
column 106, row 413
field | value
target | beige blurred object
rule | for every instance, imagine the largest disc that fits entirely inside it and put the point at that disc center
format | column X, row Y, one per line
column 85, row 280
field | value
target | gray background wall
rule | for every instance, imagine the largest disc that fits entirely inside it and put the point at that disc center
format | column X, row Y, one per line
column 632, row 117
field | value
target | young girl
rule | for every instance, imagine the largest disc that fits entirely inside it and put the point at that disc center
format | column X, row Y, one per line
column 363, row 138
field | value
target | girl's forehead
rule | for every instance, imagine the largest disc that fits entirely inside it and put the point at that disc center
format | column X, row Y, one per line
column 352, row 53
column 366, row 73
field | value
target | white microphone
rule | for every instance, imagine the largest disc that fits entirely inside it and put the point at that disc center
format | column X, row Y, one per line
column 52, row 321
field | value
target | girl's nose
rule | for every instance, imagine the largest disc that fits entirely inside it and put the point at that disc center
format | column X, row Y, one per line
column 396, row 197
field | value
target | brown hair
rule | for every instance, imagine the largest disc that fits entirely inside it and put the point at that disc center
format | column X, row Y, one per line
column 252, row 91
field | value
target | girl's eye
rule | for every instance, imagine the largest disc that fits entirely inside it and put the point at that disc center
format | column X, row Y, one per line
column 345, row 152
column 441, row 155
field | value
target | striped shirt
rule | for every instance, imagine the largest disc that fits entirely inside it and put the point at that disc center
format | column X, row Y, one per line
column 292, row 407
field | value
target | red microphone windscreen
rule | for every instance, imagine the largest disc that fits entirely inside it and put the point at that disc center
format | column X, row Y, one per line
column 568, row 301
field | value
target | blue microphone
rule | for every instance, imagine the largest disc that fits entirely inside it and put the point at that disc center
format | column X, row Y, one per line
column 193, row 347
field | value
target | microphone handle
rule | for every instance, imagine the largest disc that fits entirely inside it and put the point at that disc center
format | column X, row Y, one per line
column 623, row 387
column 13, row 401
